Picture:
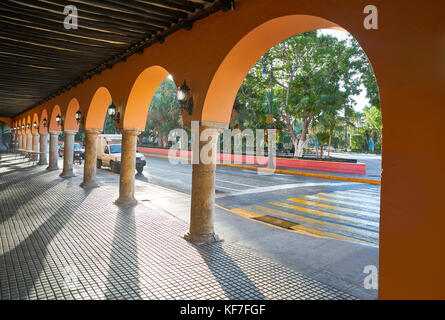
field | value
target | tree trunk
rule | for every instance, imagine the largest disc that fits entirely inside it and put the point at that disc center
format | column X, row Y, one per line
column 299, row 150
column 159, row 139
column 329, row 144
column 315, row 141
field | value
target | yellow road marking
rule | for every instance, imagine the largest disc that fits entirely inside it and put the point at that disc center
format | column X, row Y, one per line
column 342, row 202
column 321, row 223
column 327, row 206
column 322, row 234
column 298, row 228
column 325, row 214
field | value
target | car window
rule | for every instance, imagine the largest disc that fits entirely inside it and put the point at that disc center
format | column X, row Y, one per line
column 116, row 148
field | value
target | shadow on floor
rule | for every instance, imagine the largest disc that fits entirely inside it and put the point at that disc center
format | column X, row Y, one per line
column 235, row 283
column 123, row 272
column 25, row 262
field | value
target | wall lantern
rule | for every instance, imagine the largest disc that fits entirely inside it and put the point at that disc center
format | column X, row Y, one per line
column 27, row 126
column 59, row 120
column 112, row 113
column 78, row 116
column 35, row 125
column 45, row 122
column 184, row 98
column 23, row 127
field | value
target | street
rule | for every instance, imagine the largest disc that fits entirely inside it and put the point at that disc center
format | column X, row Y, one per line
column 326, row 229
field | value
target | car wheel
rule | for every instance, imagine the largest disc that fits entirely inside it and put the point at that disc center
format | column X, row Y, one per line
column 139, row 169
column 99, row 163
column 114, row 167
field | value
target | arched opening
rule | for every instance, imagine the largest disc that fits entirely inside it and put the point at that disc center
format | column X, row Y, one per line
column 44, row 121
column 97, row 110
column 35, row 123
column 140, row 96
column 5, row 137
column 325, row 214
column 163, row 116
column 53, row 124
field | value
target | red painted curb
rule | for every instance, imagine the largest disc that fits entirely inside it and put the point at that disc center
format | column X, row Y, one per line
column 357, row 168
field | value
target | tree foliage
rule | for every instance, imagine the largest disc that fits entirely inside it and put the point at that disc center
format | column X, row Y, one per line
column 306, row 81
column 164, row 113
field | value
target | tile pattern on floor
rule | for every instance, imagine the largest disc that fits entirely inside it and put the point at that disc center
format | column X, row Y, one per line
column 59, row 241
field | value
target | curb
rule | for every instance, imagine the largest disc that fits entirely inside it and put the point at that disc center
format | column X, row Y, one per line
column 306, row 174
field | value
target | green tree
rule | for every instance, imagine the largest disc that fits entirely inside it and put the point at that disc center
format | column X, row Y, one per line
column 370, row 83
column 373, row 120
column 309, row 77
column 164, row 113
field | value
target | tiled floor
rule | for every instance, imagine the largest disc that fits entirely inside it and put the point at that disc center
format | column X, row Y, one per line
column 59, row 241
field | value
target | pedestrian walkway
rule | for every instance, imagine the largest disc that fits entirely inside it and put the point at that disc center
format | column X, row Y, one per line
column 351, row 215
column 59, row 241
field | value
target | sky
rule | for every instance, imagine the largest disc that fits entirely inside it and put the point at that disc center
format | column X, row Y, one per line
column 361, row 99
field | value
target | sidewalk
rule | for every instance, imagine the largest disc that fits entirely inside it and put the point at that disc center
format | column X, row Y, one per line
column 59, row 241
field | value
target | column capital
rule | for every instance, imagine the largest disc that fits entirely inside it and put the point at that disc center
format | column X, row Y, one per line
column 43, row 133
column 70, row 132
column 219, row 127
column 55, row 132
column 35, row 133
column 131, row 131
column 92, row 131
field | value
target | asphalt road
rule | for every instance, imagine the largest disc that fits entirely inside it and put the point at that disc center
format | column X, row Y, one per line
column 325, row 229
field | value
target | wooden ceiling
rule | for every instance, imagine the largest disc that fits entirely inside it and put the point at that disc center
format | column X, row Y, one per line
column 41, row 59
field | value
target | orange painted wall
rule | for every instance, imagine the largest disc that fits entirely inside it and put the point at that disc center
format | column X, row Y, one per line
column 408, row 57
column 8, row 121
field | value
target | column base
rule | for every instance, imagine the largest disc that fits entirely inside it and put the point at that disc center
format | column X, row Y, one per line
column 126, row 202
column 202, row 238
column 87, row 185
column 67, row 174
column 44, row 163
column 52, row 168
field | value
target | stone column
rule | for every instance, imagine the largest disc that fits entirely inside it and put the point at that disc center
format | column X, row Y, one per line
column 128, row 166
column 68, row 154
column 43, row 160
column 20, row 141
column 35, row 141
column 24, row 137
column 203, row 184
column 28, row 141
column 89, row 168
column 35, row 144
column 53, row 150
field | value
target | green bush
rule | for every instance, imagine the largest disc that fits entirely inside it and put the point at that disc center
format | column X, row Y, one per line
column 357, row 142
column 377, row 147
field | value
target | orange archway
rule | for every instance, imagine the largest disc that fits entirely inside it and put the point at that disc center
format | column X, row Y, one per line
column 53, row 126
column 70, row 122
column 28, row 125
column 43, row 117
column 140, row 96
column 232, row 71
column 97, row 110
column 35, row 119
